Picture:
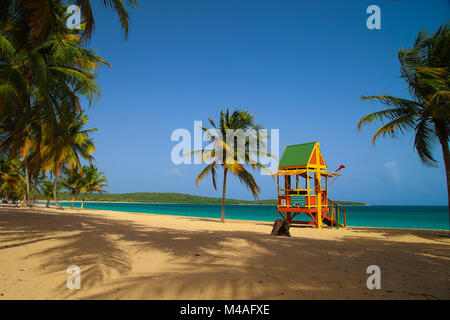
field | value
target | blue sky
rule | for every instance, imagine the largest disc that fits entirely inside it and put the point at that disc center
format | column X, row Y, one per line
column 298, row 66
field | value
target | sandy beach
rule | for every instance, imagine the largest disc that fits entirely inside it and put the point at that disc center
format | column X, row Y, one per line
column 146, row 256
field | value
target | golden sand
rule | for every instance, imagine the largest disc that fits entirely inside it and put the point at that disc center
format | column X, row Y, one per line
column 147, row 256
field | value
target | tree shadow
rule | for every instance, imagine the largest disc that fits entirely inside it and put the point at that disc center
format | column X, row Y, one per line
column 211, row 264
column 441, row 236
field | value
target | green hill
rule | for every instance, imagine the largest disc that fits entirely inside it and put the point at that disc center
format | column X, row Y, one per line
column 156, row 197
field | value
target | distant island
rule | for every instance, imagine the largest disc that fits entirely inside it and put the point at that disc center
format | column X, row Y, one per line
column 157, row 197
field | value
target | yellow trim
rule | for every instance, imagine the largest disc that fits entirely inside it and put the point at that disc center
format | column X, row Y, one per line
column 287, row 172
column 299, row 172
column 318, row 155
column 317, row 185
column 292, row 167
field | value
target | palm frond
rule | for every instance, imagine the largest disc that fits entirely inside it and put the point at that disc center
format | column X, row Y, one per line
column 424, row 140
column 395, row 127
column 209, row 169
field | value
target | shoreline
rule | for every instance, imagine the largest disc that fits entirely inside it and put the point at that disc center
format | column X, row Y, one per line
column 218, row 219
column 247, row 204
column 228, row 204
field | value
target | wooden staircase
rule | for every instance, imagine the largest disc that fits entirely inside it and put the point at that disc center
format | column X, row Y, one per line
column 333, row 218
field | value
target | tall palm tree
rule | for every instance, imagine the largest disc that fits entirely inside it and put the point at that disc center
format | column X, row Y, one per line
column 92, row 181
column 426, row 69
column 42, row 18
column 226, row 155
column 64, row 143
column 33, row 86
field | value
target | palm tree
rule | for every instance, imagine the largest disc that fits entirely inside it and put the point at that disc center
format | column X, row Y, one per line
column 92, row 181
column 46, row 188
column 42, row 18
column 35, row 182
column 426, row 69
column 73, row 182
column 234, row 157
column 33, row 86
column 64, row 142
column 11, row 179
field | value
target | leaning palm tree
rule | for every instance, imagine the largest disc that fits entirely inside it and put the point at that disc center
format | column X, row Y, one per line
column 228, row 155
column 42, row 18
column 92, row 181
column 64, row 143
column 426, row 69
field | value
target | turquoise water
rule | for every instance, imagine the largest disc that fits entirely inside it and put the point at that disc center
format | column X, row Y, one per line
column 417, row 217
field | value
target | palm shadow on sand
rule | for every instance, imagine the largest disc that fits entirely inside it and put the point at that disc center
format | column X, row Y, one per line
column 227, row 264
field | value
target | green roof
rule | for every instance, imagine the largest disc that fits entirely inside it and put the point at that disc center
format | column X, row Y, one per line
column 296, row 155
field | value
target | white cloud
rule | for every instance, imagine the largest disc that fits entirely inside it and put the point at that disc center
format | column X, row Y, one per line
column 174, row 172
column 392, row 167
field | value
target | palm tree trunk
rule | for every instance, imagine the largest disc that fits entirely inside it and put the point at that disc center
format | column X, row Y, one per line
column 82, row 202
column 441, row 130
column 223, row 193
column 446, row 153
column 48, row 203
column 54, row 189
column 73, row 199
column 27, row 181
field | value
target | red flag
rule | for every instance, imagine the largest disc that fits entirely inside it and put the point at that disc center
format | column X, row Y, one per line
column 340, row 167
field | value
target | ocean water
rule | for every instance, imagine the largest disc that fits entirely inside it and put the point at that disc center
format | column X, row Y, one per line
column 416, row 217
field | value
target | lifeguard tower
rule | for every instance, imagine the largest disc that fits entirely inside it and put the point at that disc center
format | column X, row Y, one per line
column 309, row 194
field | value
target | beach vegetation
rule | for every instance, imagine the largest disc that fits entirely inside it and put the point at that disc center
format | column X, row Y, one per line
column 225, row 154
column 41, row 19
column 11, row 180
column 426, row 114
column 46, row 190
column 65, row 142
column 42, row 120
column 73, row 182
column 181, row 198
column 91, row 181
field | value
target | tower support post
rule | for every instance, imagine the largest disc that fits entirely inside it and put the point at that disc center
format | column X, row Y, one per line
column 318, row 198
